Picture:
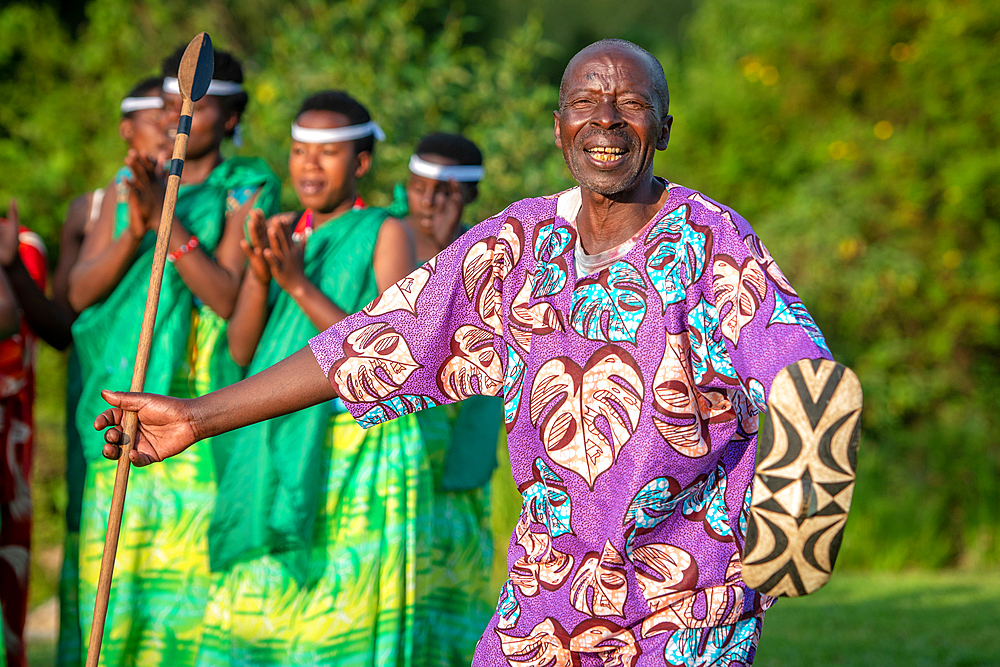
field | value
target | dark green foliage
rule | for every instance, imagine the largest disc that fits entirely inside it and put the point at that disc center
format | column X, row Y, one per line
column 860, row 138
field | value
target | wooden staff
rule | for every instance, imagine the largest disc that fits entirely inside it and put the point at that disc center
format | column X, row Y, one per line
column 193, row 77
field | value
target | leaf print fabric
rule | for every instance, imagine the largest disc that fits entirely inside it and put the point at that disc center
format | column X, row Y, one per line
column 611, row 307
column 508, row 608
column 727, row 646
column 708, row 503
column 677, row 260
column 704, row 500
column 396, row 406
column 662, row 571
column 377, row 361
column 550, row 243
column 546, row 501
column 763, row 256
column 709, row 356
column 485, row 267
column 599, row 586
column 796, row 315
column 631, row 424
column 655, row 502
column 513, row 383
column 742, row 288
column 404, row 294
column 546, row 646
column 474, row 366
column 542, row 566
column 528, row 320
column 616, row 646
column 675, row 396
column 596, row 409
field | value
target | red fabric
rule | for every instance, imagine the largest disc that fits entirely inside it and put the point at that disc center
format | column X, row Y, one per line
column 17, row 426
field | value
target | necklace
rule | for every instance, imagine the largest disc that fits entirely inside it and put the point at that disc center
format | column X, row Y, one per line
column 304, row 227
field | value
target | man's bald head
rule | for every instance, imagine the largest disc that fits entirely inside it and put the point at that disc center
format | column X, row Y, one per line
column 655, row 69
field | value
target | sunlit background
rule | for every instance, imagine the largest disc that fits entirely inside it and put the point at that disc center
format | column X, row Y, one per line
column 861, row 139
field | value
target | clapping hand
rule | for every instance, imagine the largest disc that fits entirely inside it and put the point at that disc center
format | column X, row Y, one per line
column 447, row 209
column 146, row 190
column 285, row 256
column 255, row 247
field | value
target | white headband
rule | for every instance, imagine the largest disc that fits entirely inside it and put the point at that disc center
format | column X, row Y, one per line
column 130, row 104
column 463, row 173
column 216, row 87
column 334, row 135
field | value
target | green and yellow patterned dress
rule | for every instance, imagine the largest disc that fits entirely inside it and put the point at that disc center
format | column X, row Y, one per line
column 162, row 578
column 321, row 530
column 457, row 600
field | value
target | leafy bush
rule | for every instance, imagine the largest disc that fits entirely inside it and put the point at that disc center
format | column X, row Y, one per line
column 860, row 138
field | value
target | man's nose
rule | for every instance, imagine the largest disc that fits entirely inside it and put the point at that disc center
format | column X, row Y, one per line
column 606, row 114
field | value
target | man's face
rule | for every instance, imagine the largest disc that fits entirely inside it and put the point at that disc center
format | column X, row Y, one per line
column 609, row 127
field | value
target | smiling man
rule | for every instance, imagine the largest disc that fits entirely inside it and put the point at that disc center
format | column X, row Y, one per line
column 634, row 329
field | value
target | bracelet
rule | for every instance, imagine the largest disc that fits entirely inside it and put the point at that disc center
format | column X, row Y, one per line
column 174, row 255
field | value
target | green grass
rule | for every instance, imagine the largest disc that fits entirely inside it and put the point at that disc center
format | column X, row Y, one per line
column 910, row 619
column 916, row 619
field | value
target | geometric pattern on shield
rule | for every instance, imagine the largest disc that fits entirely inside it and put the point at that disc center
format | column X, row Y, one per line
column 804, row 478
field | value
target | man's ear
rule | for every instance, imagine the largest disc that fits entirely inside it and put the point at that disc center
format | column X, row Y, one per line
column 661, row 143
column 126, row 130
column 364, row 163
column 555, row 114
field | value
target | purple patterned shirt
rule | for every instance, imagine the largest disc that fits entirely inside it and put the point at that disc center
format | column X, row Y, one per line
column 631, row 401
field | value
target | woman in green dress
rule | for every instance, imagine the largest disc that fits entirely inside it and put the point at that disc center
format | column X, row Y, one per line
column 162, row 576
column 141, row 127
column 461, row 439
column 320, row 532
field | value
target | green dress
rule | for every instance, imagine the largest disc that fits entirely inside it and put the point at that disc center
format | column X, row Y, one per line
column 161, row 577
column 69, row 652
column 321, row 529
column 462, row 441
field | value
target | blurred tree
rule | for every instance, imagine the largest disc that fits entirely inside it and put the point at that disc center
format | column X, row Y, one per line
column 571, row 25
column 860, row 138
column 406, row 60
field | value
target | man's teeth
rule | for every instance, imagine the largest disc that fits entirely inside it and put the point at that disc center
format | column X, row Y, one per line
column 606, row 153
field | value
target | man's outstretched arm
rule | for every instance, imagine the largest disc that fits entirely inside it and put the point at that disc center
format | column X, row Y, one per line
column 168, row 426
